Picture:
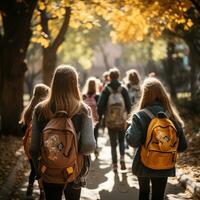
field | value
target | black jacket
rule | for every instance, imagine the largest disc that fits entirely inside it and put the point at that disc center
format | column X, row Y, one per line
column 103, row 99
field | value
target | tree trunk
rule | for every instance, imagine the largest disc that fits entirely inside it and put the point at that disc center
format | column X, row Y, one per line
column 49, row 53
column 14, row 43
column 12, row 103
column 194, row 64
column 169, row 69
column 49, row 64
column 105, row 56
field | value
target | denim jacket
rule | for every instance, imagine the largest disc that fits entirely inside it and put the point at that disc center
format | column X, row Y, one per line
column 136, row 136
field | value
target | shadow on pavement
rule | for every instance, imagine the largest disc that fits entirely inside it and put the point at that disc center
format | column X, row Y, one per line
column 121, row 189
column 97, row 173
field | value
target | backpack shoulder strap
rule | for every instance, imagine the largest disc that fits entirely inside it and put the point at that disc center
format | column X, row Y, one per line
column 61, row 113
column 149, row 113
column 110, row 89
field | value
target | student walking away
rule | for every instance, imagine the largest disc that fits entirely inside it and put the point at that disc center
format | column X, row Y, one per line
column 40, row 92
column 133, row 85
column 156, row 131
column 90, row 97
column 62, row 137
column 114, row 103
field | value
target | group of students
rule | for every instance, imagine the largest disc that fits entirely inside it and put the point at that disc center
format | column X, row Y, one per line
column 64, row 127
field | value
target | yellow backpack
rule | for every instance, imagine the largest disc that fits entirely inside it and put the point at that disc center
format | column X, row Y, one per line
column 160, row 149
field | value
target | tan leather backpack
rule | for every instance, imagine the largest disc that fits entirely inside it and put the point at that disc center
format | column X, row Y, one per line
column 60, row 161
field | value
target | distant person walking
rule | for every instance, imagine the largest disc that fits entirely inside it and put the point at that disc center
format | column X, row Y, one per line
column 63, row 137
column 40, row 93
column 156, row 131
column 114, row 103
column 90, row 97
column 133, row 85
column 105, row 80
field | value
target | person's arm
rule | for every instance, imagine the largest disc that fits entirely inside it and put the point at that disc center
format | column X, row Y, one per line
column 182, row 146
column 35, row 141
column 87, row 141
column 134, row 133
column 102, row 102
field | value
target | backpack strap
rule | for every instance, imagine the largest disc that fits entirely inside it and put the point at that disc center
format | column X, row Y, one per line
column 110, row 89
column 119, row 89
column 61, row 113
column 149, row 113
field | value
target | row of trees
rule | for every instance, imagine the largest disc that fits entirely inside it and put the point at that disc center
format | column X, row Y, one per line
column 46, row 22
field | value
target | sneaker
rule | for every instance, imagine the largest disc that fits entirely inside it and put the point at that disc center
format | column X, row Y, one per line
column 123, row 166
column 115, row 167
column 96, row 153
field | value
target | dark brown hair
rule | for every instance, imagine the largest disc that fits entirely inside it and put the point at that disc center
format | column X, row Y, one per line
column 114, row 74
column 133, row 77
column 90, row 86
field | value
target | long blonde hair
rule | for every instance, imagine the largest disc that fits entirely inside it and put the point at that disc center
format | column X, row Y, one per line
column 40, row 93
column 153, row 90
column 65, row 94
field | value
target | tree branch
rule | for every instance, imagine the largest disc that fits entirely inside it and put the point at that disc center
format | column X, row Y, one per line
column 60, row 37
column 105, row 59
column 44, row 22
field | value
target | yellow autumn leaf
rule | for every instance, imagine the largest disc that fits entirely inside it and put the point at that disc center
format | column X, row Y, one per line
column 186, row 28
column 88, row 25
column 189, row 23
column 38, row 27
column 41, row 5
column 184, row 9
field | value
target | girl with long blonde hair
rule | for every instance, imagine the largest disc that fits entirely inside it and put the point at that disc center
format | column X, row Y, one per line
column 40, row 93
column 156, row 100
column 65, row 96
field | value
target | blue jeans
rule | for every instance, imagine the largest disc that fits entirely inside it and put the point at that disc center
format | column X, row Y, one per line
column 115, row 137
column 158, row 187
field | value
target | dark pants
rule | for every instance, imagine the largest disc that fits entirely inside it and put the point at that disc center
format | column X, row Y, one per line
column 96, row 133
column 54, row 191
column 32, row 174
column 115, row 137
column 158, row 188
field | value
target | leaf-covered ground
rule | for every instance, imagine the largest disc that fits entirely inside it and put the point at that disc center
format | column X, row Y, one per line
column 189, row 161
column 13, row 164
column 9, row 147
